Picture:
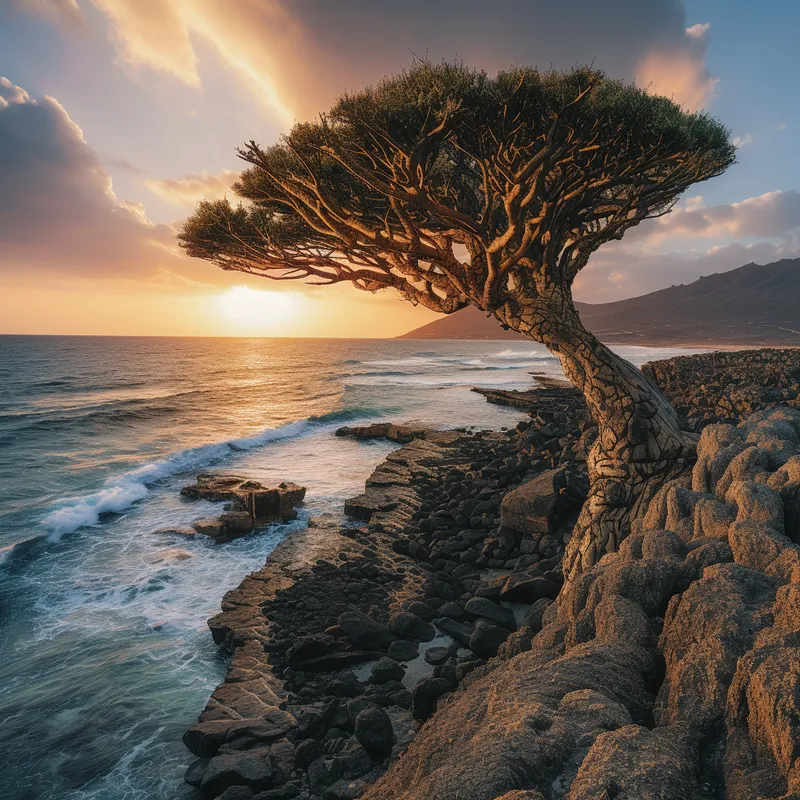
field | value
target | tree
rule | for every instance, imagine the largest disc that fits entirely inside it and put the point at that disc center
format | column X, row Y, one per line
column 455, row 188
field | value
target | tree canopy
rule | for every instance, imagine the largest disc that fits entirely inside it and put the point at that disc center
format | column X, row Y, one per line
column 458, row 188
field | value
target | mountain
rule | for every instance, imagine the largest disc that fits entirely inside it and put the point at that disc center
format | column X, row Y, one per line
column 752, row 305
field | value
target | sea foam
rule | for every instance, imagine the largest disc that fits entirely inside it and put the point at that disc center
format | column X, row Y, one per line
column 124, row 490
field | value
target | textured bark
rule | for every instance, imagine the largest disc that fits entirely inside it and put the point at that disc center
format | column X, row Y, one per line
column 639, row 444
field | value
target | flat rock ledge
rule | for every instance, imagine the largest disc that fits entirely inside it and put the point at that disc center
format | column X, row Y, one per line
column 249, row 504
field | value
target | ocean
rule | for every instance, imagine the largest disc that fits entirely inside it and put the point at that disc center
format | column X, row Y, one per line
column 105, row 657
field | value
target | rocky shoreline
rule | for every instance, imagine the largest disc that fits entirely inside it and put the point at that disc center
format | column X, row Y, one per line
column 444, row 594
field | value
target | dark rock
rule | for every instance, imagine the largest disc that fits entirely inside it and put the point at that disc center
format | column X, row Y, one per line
column 387, row 669
column 487, row 638
column 403, row 650
column 374, row 732
column 455, row 630
column 346, row 684
column 525, row 587
column 356, row 706
column 363, row 631
column 421, row 610
column 533, row 616
column 486, row 609
column 426, row 695
column 437, row 655
column 254, row 769
column 194, row 773
column 237, row 793
column 408, row 625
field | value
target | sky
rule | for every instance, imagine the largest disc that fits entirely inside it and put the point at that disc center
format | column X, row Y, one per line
column 118, row 116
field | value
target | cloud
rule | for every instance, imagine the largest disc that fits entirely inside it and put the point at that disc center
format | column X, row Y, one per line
column 760, row 229
column 190, row 189
column 618, row 272
column 742, row 141
column 680, row 71
column 58, row 210
column 296, row 56
column 766, row 216
column 65, row 12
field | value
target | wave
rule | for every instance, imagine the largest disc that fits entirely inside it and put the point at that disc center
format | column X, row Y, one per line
column 372, row 374
column 526, row 355
column 121, row 492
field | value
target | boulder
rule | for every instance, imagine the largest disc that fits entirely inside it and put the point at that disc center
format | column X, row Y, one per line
column 228, row 526
column 486, row 609
column 374, row 732
column 387, row 669
column 255, row 769
column 455, row 630
column 408, row 625
column 403, row 650
column 363, row 631
column 528, row 587
column 487, row 638
column 437, row 655
column 426, row 696
column 260, row 502
column 528, row 508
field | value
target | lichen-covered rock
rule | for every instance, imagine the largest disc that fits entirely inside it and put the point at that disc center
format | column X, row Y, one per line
column 670, row 670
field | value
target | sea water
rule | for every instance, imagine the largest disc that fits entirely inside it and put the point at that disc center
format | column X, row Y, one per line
column 105, row 657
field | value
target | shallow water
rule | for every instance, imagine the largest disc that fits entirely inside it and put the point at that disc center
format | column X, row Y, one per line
column 106, row 657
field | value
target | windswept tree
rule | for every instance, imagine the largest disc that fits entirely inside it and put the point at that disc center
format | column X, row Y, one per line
column 455, row 188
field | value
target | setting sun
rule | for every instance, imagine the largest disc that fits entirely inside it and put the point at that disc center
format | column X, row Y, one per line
column 253, row 308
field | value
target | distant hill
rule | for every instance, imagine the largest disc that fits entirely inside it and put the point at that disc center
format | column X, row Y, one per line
column 752, row 305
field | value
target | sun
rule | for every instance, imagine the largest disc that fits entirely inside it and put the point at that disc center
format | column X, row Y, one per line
column 254, row 309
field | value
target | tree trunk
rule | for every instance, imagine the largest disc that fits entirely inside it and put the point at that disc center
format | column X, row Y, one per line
column 639, row 444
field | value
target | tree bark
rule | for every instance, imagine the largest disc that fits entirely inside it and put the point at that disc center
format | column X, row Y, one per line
column 640, row 444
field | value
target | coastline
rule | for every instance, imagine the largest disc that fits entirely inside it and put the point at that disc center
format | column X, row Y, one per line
column 453, row 574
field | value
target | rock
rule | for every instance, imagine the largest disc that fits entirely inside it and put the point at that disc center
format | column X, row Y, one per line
column 487, row 638
column 527, row 587
column 426, row 695
column 194, row 773
column 455, row 630
column 437, row 655
column 346, row 684
column 226, row 527
column 528, row 508
column 408, row 625
column 237, row 793
column 486, row 609
column 309, row 647
column 533, row 616
column 421, row 610
column 261, row 503
column 637, row 763
column 255, row 769
column 374, row 732
column 403, row 650
column 385, row 430
column 363, row 631
column 387, row 669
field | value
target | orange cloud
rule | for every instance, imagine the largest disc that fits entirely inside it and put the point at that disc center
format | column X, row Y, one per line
column 190, row 189
column 296, row 57
column 58, row 210
column 680, row 73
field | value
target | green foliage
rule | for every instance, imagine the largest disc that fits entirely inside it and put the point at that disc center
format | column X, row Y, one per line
column 523, row 169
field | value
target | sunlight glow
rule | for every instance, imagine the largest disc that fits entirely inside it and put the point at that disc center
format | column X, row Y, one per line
column 252, row 308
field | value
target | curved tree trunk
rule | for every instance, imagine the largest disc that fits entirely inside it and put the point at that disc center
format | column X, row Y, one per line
column 639, row 444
